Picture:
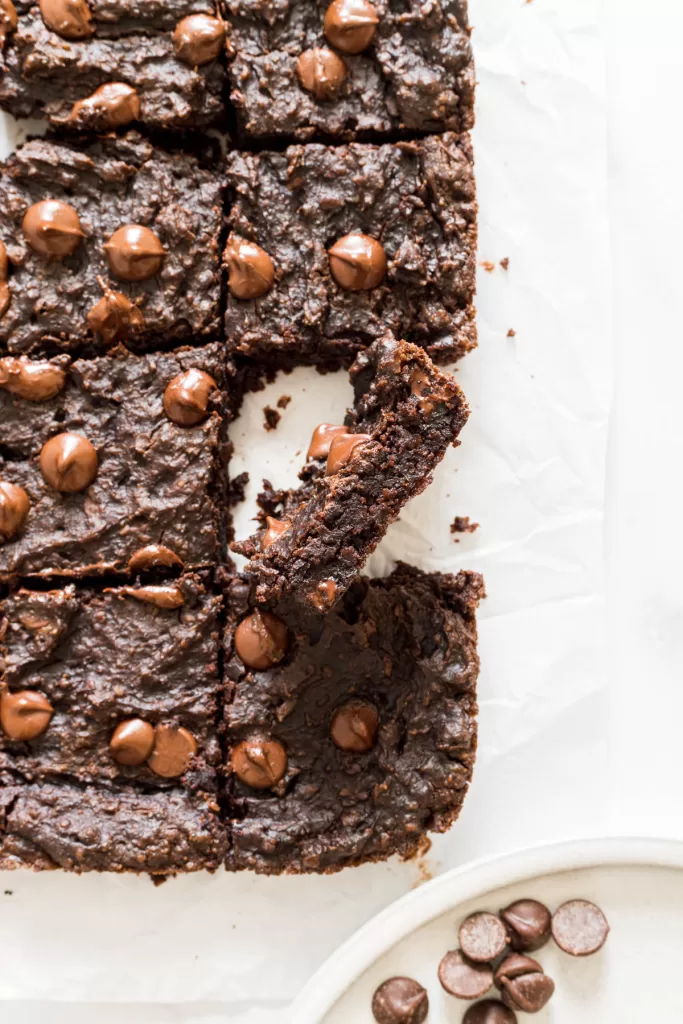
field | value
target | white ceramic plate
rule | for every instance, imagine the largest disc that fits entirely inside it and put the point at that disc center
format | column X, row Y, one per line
column 638, row 883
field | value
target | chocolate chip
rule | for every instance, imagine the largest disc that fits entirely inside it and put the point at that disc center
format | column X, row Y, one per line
column 580, row 928
column 154, row 556
column 5, row 294
column 323, row 436
column 400, row 1001
column 342, row 450
column 528, row 925
column 250, row 268
column 134, row 253
column 32, row 381
column 523, row 984
column 482, row 937
column 112, row 105
column 173, row 749
column 354, row 727
column 70, row 19
column 276, row 527
column 490, row 1011
column 261, row 640
column 321, row 72
column 52, row 228
column 165, row 596
column 350, row 25
column 132, row 741
column 186, row 398
column 198, row 39
column 24, row 715
column 259, row 762
column 114, row 317
column 357, row 262
column 324, row 595
column 8, row 19
column 14, row 508
column 463, row 978
column 68, row 463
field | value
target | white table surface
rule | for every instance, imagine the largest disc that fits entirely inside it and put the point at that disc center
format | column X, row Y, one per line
column 627, row 781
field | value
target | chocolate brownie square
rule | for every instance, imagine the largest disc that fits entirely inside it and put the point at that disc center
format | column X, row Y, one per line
column 352, row 746
column 360, row 475
column 115, row 241
column 116, row 690
column 102, row 64
column 331, row 246
column 349, row 67
column 113, row 463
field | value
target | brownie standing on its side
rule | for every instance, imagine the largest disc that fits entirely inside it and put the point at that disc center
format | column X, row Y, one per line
column 331, row 246
column 112, row 463
column 313, row 67
column 108, row 748
column 116, row 241
column 353, row 747
column 101, row 64
column 406, row 413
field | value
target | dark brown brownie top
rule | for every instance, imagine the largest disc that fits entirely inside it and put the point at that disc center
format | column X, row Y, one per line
column 95, row 828
column 98, row 659
column 158, row 482
column 43, row 74
column 376, row 719
column 417, row 200
column 406, row 413
column 415, row 73
column 109, row 185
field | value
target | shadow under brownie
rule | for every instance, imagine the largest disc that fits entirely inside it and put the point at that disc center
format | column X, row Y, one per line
column 353, row 747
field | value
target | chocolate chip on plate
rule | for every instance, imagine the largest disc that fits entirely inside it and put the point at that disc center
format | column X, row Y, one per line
column 490, row 1011
column 462, row 978
column 579, row 928
column 528, row 925
column 400, row 1001
column 482, row 937
column 523, row 984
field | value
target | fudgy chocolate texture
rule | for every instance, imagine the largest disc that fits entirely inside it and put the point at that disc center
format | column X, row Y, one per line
column 406, row 646
column 417, row 73
column 101, row 658
column 157, row 482
column 43, row 74
column 410, row 412
column 111, row 183
column 417, row 199
column 91, row 828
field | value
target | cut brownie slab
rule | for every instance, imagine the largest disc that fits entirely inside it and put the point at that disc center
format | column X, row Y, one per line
column 350, row 67
column 330, row 246
column 352, row 747
column 112, row 463
column 108, row 712
column 117, row 241
column 360, row 475
column 100, row 64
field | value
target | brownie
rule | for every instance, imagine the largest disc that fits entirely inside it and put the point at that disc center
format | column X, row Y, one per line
column 354, row 745
column 406, row 413
column 113, row 241
column 54, row 60
column 111, row 472
column 295, row 73
column 348, row 242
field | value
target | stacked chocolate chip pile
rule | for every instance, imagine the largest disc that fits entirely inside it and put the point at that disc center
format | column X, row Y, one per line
column 494, row 950
column 159, row 711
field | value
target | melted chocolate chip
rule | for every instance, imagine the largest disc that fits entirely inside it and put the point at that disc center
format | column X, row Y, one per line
column 259, row 762
column 250, row 268
column 112, row 105
column 154, row 556
column 186, row 398
column 32, row 381
column 199, row 39
column 342, row 451
column 134, row 253
column 350, row 25
column 276, row 528
column 321, row 72
column 132, row 741
column 5, row 294
column 70, row 19
column 164, row 596
column 68, row 463
column 14, row 508
column 114, row 317
column 323, row 436
column 24, row 715
column 8, row 19
column 52, row 228
column 261, row 640
column 173, row 749
column 357, row 262
column 354, row 727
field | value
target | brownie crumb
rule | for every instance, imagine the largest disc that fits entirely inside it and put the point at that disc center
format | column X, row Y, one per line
column 271, row 418
column 512, row 333
column 237, row 488
column 462, row 524
column 505, row 262
column 283, row 401
column 488, row 266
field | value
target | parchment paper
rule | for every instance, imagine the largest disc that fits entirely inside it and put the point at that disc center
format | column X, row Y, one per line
column 530, row 471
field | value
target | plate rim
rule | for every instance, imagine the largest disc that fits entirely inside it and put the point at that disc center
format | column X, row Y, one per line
column 436, row 897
